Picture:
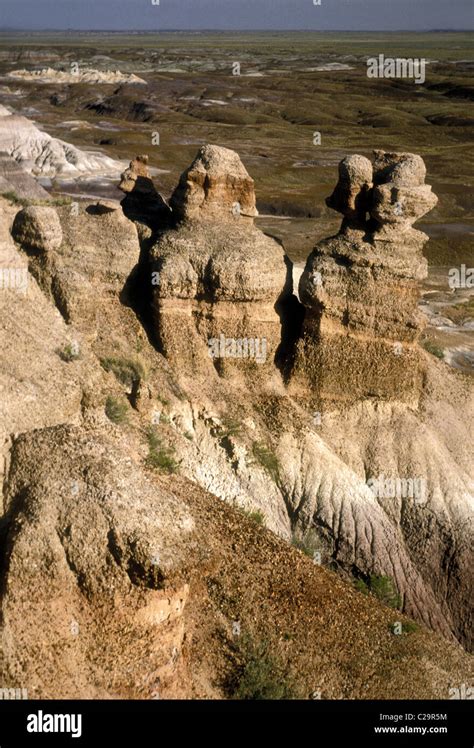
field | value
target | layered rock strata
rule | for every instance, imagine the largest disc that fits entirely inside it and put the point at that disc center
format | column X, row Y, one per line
column 361, row 287
column 219, row 281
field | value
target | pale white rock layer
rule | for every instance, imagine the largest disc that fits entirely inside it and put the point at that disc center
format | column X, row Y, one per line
column 88, row 75
column 42, row 155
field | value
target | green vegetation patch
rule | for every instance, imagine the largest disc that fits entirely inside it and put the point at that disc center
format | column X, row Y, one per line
column 433, row 348
column 382, row 587
column 159, row 456
column 267, row 459
column 261, row 675
column 116, row 410
column 70, row 352
column 27, row 202
column 125, row 370
column 255, row 515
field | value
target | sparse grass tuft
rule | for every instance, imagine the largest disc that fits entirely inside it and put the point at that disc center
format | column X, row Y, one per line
column 12, row 197
column 159, row 457
column 267, row 459
column 433, row 348
column 361, row 586
column 460, row 313
column 409, row 627
column 116, row 410
column 27, row 202
column 231, row 426
column 308, row 544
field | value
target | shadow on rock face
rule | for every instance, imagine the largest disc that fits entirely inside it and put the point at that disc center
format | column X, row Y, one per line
column 291, row 313
column 142, row 202
column 152, row 210
column 102, row 208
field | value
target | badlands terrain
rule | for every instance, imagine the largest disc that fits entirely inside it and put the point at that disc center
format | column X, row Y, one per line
column 236, row 386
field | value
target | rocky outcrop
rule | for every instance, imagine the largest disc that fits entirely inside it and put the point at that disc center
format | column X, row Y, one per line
column 40, row 154
column 358, row 348
column 88, row 75
column 361, row 287
column 122, row 584
column 104, row 554
column 89, row 253
column 38, row 228
column 14, row 180
column 141, row 577
column 219, row 281
column 36, row 387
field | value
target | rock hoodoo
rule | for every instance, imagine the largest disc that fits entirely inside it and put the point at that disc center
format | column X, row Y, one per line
column 360, row 288
column 133, row 577
column 219, row 279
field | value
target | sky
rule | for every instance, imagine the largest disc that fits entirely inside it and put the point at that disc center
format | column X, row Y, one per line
column 122, row 15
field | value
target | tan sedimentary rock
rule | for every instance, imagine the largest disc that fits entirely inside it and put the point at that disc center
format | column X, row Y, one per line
column 100, row 551
column 98, row 252
column 93, row 582
column 36, row 389
column 361, row 287
column 38, row 228
column 219, row 278
column 352, row 193
column 216, row 185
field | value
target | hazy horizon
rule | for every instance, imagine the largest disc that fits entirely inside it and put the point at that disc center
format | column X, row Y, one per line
column 12, row 29
column 236, row 15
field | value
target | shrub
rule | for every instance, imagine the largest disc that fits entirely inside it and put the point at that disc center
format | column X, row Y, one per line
column 125, row 370
column 261, row 675
column 116, row 410
column 231, row 426
column 409, row 627
column 70, row 352
column 159, row 457
column 361, row 586
column 308, row 544
column 385, row 590
column 382, row 587
column 460, row 313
